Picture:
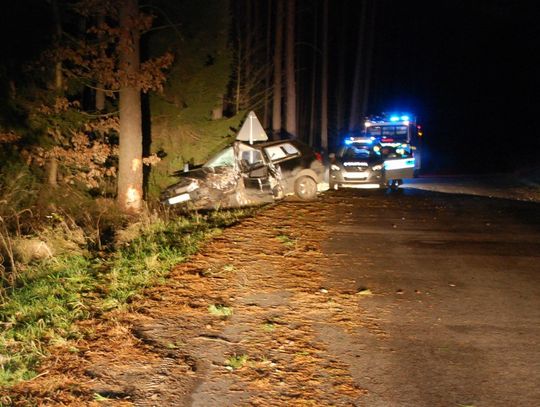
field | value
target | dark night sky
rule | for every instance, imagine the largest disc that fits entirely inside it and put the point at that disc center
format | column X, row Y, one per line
column 467, row 69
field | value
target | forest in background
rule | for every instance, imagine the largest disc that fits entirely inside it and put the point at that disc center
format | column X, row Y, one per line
column 100, row 102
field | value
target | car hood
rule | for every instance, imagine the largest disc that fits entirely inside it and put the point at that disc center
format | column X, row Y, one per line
column 369, row 161
column 220, row 178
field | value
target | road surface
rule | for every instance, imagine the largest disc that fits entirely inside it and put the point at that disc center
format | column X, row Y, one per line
column 361, row 298
column 456, row 304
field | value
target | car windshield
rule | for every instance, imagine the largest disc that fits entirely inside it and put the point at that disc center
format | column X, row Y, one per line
column 225, row 158
column 355, row 153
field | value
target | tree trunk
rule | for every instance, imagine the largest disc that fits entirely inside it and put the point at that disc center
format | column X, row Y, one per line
column 313, row 93
column 278, row 74
column 324, row 83
column 369, row 61
column 290, row 123
column 239, row 57
column 100, row 92
column 266, row 114
column 355, row 113
column 130, row 174
column 342, row 63
column 52, row 167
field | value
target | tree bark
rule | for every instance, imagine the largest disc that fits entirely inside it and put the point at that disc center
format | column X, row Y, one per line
column 314, row 63
column 324, row 83
column 130, row 174
column 278, row 73
column 266, row 110
column 342, row 63
column 369, row 58
column 52, row 167
column 100, row 92
column 290, row 123
column 355, row 113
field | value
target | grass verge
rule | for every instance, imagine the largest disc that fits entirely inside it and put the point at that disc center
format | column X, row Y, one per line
column 42, row 308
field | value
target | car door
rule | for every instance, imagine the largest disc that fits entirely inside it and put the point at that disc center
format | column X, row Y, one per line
column 254, row 172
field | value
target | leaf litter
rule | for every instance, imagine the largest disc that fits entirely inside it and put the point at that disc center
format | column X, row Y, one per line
column 168, row 349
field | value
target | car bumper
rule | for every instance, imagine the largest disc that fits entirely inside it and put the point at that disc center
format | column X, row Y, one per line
column 356, row 178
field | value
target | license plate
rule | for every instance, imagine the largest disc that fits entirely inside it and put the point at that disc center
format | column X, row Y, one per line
column 356, row 175
column 178, row 199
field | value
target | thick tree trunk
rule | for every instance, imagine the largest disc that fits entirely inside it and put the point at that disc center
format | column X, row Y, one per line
column 290, row 123
column 52, row 167
column 278, row 73
column 324, row 83
column 130, row 174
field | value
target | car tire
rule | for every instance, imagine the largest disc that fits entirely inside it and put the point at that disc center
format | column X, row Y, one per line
column 305, row 188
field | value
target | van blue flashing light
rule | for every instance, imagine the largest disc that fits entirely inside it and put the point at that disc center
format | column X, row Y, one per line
column 404, row 117
column 394, row 118
column 348, row 142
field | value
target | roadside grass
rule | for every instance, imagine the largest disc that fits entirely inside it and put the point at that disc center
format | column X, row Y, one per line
column 286, row 240
column 236, row 362
column 41, row 309
column 220, row 310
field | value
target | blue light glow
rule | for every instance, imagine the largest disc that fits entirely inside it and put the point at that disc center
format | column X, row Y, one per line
column 404, row 117
column 399, row 164
column 348, row 142
column 394, row 119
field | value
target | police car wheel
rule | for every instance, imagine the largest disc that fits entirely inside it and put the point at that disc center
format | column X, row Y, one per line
column 305, row 188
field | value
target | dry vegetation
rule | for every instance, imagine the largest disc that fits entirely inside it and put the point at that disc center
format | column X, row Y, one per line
column 238, row 324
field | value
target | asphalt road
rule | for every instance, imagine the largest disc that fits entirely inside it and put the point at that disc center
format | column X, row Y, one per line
column 454, row 319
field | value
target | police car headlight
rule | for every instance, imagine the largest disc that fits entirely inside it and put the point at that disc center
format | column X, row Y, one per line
column 334, row 167
column 377, row 167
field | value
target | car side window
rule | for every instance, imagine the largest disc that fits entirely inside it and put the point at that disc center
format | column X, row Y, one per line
column 290, row 149
column 275, row 153
column 252, row 157
column 281, row 151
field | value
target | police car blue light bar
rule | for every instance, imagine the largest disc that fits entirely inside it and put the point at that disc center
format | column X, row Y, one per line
column 399, row 164
column 361, row 140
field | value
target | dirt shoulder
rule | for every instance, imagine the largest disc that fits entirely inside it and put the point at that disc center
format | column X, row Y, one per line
column 247, row 321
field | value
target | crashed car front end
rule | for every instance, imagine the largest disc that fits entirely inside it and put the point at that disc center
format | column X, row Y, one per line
column 203, row 188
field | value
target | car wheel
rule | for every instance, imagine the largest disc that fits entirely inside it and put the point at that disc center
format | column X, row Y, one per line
column 305, row 188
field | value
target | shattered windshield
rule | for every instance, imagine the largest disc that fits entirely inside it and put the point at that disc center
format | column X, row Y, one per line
column 225, row 158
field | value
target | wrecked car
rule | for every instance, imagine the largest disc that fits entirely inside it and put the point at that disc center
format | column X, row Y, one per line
column 246, row 174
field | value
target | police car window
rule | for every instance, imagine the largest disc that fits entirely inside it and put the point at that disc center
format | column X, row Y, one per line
column 374, row 131
column 401, row 130
column 224, row 158
column 388, row 131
